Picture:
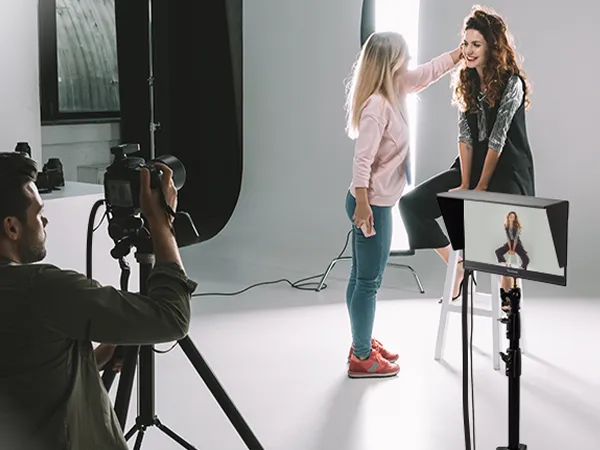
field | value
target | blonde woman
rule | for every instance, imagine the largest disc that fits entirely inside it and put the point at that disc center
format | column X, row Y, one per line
column 376, row 118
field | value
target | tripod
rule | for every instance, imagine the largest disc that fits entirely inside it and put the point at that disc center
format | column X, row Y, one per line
column 512, row 358
column 147, row 416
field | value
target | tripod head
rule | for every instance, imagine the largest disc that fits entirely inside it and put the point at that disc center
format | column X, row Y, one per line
column 512, row 297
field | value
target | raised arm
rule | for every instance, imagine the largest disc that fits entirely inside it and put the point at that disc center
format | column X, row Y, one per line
column 419, row 78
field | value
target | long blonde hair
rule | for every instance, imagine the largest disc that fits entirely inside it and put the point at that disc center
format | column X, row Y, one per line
column 375, row 71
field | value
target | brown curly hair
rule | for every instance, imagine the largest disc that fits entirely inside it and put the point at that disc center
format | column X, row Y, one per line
column 516, row 222
column 501, row 63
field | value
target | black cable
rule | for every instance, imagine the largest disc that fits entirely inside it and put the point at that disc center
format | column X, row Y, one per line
column 90, row 235
column 300, row 284
column 472, row 377
column 465, row 362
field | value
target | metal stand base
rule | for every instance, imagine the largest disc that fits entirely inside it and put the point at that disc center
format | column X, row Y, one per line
column 336, row 260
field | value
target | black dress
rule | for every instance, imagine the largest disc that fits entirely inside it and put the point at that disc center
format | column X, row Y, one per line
column 502, row 128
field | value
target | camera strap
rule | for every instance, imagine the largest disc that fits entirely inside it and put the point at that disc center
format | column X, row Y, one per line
column 168, row 210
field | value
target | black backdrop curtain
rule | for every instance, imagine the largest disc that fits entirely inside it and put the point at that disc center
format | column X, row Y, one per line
column 198, row 96
column 367, row 20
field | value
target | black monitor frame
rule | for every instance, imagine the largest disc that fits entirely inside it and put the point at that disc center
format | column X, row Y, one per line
column 557, row 211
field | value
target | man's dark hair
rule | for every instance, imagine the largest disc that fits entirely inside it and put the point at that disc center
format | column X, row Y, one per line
column 16, row 170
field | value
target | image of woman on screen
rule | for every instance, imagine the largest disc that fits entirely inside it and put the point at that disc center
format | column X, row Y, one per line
column 513, row 245
column 491, row 93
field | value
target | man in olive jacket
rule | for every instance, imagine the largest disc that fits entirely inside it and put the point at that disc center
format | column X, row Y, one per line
column 51, row 393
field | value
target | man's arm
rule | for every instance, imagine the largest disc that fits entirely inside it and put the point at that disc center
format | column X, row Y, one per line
column 79, row 308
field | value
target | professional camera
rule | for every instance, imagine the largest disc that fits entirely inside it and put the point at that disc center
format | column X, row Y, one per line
column 51, row 177
column 122, row 194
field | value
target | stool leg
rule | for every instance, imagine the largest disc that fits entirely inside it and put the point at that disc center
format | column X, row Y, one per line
column 448, row 291
column 496, row 302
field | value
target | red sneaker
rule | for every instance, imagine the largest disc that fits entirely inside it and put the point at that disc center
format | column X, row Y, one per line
column 378, row 346
column 376, row 366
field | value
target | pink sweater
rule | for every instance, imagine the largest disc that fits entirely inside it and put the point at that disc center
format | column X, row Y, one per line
column 383, row 138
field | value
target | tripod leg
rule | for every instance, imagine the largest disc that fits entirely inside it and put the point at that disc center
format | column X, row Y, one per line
column 219, row 394
column 138, row 441
column 125, row 385
column 131, row 432
column 108, row 377
column 174, row 436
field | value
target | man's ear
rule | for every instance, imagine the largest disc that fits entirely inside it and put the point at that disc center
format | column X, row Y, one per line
column 11, row 227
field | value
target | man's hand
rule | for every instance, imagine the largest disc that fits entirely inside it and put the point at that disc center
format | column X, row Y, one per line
column 480, row 187
column 150, row 201
column 104, row 353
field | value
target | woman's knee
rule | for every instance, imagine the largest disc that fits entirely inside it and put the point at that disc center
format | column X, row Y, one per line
column 407, row 202
column 366, row 287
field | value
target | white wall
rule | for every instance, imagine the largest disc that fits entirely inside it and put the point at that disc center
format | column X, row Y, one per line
column 19, row 77
column 297, row 160
column 557, row 41
column 79, row 145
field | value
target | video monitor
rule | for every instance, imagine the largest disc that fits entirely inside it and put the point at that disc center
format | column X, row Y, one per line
column 513, row 235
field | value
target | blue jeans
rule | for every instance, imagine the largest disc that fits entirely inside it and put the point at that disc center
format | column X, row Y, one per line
column 369, row 260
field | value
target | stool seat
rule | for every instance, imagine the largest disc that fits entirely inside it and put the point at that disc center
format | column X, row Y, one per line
column 494, row 312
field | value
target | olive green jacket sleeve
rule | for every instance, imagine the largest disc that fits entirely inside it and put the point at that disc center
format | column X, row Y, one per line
column 79, row 308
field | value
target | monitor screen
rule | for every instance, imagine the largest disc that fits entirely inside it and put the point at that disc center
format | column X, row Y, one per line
column 511, row 240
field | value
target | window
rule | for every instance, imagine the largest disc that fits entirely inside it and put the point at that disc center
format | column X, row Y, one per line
column 79, row 80
column 402, row 16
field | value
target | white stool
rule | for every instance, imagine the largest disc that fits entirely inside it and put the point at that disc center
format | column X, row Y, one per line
column 495, row 313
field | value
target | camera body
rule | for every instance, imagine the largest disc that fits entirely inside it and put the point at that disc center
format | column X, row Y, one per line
column 122, row 178
column 122, row 188
column 51, row 177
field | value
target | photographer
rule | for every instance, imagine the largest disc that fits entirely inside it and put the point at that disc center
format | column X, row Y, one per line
column 51, row 393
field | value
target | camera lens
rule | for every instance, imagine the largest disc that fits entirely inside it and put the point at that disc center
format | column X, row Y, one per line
column 176, row 166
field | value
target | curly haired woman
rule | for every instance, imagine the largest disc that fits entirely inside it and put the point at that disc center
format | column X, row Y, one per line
column 491, row 92
column 513, row 230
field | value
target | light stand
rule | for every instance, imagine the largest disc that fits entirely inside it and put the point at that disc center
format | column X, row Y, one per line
column 147, row 416
column 153, row 124
column 513, row 366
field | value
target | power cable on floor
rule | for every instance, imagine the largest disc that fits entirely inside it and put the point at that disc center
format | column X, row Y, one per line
column 302, row 284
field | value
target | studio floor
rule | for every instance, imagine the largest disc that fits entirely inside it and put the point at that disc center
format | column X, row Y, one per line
column 280, row 354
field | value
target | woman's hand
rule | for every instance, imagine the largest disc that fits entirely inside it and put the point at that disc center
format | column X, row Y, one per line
column 456, row 54
column 363, row 215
